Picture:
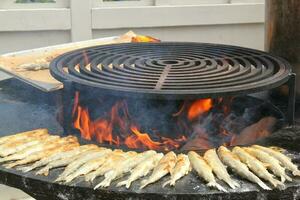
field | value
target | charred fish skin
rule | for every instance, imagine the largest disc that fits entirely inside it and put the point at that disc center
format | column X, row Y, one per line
column 273, row 164
column 181, row 169
column 232, row 161
column 58, row 156
column 79, row 162
column 124, row 167
column 164, row 167
column 204, row 170
column 283, row 159
column 218, row 168
column 256, row 166
column 141, row 170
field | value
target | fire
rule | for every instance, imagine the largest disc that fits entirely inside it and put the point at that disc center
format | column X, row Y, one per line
column 83, row 123
column 141, row 140
column 115, row 129
column 142, row 38
column 198, row 108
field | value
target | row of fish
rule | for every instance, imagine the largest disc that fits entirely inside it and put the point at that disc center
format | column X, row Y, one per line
column 39, row 150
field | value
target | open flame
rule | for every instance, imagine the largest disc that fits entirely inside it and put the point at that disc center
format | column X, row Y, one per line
column 104, row 129
column 202, row 124
column 199, row 107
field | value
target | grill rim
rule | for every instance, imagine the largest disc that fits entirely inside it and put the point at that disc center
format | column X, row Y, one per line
column 282, row 76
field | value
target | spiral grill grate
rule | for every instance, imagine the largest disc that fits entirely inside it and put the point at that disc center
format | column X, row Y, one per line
column 178, row 70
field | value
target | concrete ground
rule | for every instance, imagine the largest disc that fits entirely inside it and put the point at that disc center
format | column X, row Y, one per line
column 9, row 193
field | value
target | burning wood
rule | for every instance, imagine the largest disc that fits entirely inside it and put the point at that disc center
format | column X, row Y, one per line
column 261, row 129
column 198, row 124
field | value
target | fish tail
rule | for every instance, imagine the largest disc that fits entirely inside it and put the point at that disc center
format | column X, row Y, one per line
column 233, row 184
column 128, row 184
column 282, row 179
column 5, row 159
column 216, row 185
column 26, row 169
column 257, row 180
column 296, row 173
column 288, row 178
column 166, row 183
column 90, row 177
column 69, row 179
column 60, row 178
column 145, row 183
column 44, row 171
column 11, row 165
column 263, row 185
column 105, row 183
column 277, row 184
column 122, row 183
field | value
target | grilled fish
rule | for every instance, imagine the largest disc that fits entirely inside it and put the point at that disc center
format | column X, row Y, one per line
column 218, row 168
column 9, row 148
column 87, row 167
column 115, row 158
column 57, row 156
column 164, row 167
column 181, row 169
column 124, row 167
column 142, row 169
column 231, row 160
column 23, row 135
column 273, row 164
column 256, row 166
column 50, row 142
column 42, row 154
column 61, row 162
column 283, row 159
column 79, row 162
column 204, row 170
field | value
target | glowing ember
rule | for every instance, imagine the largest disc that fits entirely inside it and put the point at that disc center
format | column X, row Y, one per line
column 198, row 108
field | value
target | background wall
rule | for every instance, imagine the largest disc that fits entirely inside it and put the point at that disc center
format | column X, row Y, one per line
column 26, row 26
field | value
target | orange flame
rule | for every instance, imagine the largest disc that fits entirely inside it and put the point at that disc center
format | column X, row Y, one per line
column 142, row 38
column 102, row 129
column 116, row 128
column 199, row 107
column 139, row 140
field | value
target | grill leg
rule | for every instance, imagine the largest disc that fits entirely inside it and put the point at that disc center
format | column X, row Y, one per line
column 292, row 99
column 68, row 101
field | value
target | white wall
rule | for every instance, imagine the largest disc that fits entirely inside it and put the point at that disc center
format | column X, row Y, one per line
column 247, row 35
column 238, row 24
column 20, row 40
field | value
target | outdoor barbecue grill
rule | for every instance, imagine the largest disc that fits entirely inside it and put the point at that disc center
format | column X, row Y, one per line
column 169, row 71
column 172, row 70
column 166, row 71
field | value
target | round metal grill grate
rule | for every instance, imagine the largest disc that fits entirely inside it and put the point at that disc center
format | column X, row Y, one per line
column 171, row 69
